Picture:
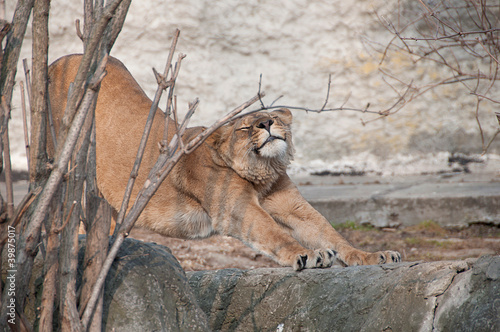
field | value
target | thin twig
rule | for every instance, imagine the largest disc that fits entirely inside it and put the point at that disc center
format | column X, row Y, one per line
column 258, row 93
column 21, row 209
column 347, row 99
column 486, row 50
column 485, row 150
column 485, row 97
column 52, row 128
column 68, row 218
column 28, row 80
column 479, row 122
column 6, row 159
column 397, row 33
column 342, row 107
column 457, row 34
column 176, row 123
column 25, row 123
column 58, row 171
column 172, row 88
column 78, row 30
column 91, row 45
column 445, row 21
column 327, row 93
column 144, row 139
column 192, row 107
column 24, row 205
column 274, row 101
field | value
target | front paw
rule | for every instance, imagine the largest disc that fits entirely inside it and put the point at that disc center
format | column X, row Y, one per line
column 319, row 258
column 357, row 257
column 324, row 257
column 386, row 257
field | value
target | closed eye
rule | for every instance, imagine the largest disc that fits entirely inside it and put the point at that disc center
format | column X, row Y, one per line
column 244, row 128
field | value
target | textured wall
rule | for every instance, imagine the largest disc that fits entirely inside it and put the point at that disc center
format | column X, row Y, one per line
column 435, row 296
column 295, row 45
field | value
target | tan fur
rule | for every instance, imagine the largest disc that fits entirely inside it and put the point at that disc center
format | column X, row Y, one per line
column 234, row 184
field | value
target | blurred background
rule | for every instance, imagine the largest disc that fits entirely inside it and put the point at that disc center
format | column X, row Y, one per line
column 435, row 123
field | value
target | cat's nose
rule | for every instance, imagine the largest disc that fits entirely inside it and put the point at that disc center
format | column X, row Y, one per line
column 265, row 124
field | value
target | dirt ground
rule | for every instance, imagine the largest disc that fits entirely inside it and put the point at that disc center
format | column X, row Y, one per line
column 424, row 242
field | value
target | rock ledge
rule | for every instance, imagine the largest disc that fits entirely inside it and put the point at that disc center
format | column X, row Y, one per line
column 438, row 296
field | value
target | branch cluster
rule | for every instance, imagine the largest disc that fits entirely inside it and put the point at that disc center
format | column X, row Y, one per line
column 460, row 37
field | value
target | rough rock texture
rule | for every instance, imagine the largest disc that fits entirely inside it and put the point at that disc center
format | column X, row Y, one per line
column 146, row 290
column 295, row 45
column 439, row 296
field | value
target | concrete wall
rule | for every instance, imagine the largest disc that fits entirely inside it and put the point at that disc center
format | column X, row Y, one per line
column 295, row 45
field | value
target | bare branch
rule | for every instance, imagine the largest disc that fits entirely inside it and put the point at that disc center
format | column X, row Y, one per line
column 27, row 200
column 323, row 108
column 347, row 99
column 28, row 238
column 51, row 267
column 68, row 217
column 79, row 31
column 13, row 47
column 479, row 122
column 171, row 91
column 28, row 80
column 457, row 34
column 25, row 121
column 446, row 33
column 4, row 139
column 486, row 50
column 91, row 45
column 491, row 141
column 8, row 173
column 260, row 86
column 274, row 101
column 327, row 93
column 145, row 136
column 485, row 97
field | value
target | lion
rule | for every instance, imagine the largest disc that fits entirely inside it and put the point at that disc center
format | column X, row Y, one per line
column 234, row 184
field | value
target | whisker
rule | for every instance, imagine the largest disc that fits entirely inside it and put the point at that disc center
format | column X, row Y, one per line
column 244, row 147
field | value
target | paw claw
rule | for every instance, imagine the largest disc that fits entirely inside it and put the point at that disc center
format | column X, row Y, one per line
column 324, row 258
column 382, row 258
column 358, row 257
column 319, row 258
column 395, row 256
column 389, row 256
column 300, row 262
column 303, row 258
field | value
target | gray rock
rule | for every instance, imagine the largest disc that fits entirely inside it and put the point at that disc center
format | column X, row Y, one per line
column 146, row 290
column 438, row 296
column 472, row 302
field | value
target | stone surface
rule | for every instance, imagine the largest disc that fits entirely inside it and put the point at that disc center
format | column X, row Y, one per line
column 145, row 290
column 472, row 302
column 295, row 45
column 439, row 296
column 455, row 200
column 450, row 200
